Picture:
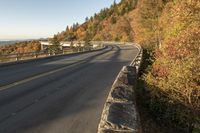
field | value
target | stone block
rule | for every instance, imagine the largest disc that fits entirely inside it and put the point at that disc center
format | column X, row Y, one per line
column 119, row 117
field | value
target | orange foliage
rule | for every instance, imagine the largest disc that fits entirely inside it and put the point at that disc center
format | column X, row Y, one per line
column 21, row 47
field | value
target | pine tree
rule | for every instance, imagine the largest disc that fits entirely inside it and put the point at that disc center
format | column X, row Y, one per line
column 55, row 47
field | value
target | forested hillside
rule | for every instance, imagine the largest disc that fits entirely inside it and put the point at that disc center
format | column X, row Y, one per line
column 169, row 31
column 20, row 47
column 110, row 24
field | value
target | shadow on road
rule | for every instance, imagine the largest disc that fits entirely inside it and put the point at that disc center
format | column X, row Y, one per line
column 75, row 107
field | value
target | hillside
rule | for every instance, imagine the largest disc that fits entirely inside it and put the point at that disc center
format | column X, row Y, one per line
column 169, row 31
column 20, row 47
column 110, row 24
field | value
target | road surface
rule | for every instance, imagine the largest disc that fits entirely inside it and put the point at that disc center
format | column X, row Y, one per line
column 60, row 95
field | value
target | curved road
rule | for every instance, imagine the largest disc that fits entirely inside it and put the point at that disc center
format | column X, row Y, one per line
column 62, row 94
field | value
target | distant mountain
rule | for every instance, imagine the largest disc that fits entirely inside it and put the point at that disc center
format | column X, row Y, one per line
column 11, row 42
column 8, row 42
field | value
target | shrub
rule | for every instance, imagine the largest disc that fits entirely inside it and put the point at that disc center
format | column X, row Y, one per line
column 174, row 80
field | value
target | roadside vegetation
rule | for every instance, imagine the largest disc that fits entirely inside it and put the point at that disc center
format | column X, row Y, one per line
column 170, row 32
column 21, row 47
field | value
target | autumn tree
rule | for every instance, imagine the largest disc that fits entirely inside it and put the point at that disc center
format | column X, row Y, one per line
column 174, row 77
column 21, row 47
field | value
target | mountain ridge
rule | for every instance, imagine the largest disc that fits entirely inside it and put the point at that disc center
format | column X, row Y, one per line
column 110, row 24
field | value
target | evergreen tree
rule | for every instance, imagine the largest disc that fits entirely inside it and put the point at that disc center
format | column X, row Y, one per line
column 55, row 47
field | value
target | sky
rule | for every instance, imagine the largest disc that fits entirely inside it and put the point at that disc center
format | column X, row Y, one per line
column 31, row 19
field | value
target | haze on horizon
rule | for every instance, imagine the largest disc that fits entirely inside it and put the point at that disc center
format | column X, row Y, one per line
column 32, row 19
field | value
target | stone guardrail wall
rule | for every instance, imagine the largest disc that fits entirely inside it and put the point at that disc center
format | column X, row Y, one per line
column 120, row 113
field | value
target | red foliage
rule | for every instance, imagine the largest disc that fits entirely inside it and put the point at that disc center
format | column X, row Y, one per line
column 160, row 71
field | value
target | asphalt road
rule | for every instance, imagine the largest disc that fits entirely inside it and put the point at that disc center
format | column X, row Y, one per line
column 60, row 95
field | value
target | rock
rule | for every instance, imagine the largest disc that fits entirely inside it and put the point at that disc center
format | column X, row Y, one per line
column 128, row 69
column 122, row 79
column 131, row 73
column 122, row 93
column 119, row 117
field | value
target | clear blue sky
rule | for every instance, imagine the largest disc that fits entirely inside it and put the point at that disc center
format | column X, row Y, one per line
column 24, row 19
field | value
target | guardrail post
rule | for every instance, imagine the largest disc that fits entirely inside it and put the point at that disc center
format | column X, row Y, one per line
column 17, row 58
column 36, row 55
column 43, row 53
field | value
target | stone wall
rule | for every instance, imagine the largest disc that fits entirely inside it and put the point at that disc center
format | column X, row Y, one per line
column 120, row 112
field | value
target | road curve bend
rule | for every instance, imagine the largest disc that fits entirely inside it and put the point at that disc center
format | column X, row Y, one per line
column 60, row 95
